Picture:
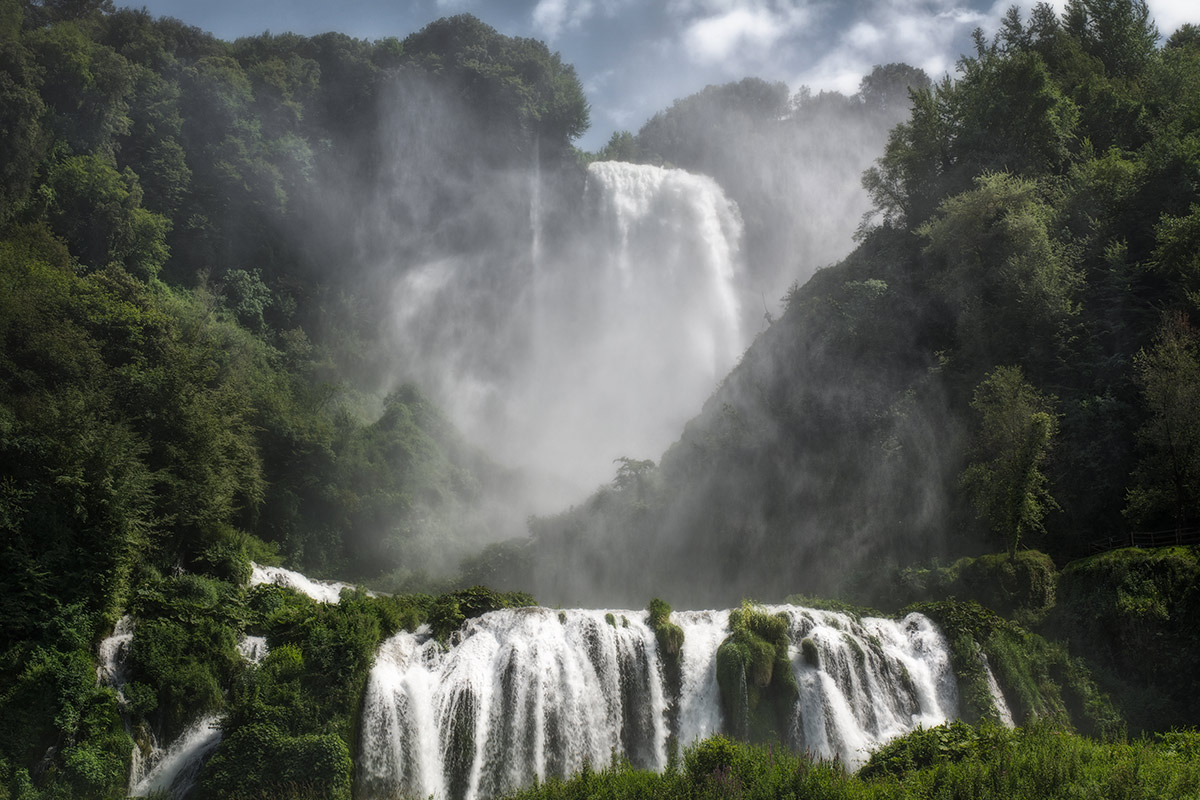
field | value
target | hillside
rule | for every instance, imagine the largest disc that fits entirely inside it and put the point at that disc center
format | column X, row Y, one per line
column 1006, row 359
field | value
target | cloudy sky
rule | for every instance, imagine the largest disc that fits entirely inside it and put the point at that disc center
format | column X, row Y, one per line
column 635, row 57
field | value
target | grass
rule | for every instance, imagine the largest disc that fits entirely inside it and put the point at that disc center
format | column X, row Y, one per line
column 958, row 761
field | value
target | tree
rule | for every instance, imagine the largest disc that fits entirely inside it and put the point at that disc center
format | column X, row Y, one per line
column 1118, row 32
column 1166, row 482
column 1005, row 482
column 1001, row 271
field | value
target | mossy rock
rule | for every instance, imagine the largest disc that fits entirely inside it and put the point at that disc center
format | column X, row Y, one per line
column 1135, row 615
column 668, row 634
column 445, row 617
column 1039, row 678
column 754, row 673
column 811, row 653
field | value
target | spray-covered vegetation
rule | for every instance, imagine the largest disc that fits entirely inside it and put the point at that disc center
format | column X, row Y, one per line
column 1003, row 362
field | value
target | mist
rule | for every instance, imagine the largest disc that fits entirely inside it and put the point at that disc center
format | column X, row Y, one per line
column 565, row 314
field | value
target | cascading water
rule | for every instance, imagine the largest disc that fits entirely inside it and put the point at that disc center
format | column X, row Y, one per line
column 639, row 317
column 111, row 655
column 321, row 591
column 525, row 692
column 699, row 696
column 874, row 680
column 175, row 770
column 537, row 692
column 566, row 345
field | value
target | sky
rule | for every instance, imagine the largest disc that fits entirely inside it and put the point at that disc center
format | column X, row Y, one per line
column 635, row 57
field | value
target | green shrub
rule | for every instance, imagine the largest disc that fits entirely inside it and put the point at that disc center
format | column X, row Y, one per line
column 445, row 617
column 1021, row 586
column 260, row 760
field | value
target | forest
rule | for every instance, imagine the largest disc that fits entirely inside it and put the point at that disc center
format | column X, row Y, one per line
column 968, row 416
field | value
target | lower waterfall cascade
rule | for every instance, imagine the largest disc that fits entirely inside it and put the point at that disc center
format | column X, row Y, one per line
column 528, row 692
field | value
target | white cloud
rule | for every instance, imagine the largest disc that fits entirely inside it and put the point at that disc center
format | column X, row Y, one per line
column 738, row 36
column 929, row 35
column 1171, row 14
column 716, row 38
column 551, row 17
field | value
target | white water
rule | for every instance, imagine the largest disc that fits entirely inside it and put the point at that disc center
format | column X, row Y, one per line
column 876, row 679
column 558, row 351
column 111, row 655
column 523, row 694
column 1002, row 709
column 700, row 697
column 637, row 321
column 175, row 771
column 253, row 648
column 321, row 591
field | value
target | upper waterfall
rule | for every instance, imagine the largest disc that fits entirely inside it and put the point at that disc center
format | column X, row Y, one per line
column 595, row 338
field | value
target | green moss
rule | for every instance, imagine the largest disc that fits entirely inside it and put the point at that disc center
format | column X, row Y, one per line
column 610, row 619
column 1039, row 678
column 1021, row 586
column 1135, row 615
column 828, row 604
column 670, row 646
column 754, row 673
column 445, row 617
column 448, row 612
column 812, row 654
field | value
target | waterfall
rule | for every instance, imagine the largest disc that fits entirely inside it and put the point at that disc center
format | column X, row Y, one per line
column 700, row 698
column 875, row 679
column 570, row 342
column 175, row 771
column 535, row 692
column 526, row 692
column 253, row 648
column 1002, row 709
column 321, row 591
column 111, row 655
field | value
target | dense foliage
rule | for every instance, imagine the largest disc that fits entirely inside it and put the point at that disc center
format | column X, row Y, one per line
column 179, row 340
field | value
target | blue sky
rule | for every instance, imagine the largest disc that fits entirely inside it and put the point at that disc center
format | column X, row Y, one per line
column 635, row 57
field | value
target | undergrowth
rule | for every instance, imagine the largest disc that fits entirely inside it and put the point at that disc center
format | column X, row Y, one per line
column 950, row 761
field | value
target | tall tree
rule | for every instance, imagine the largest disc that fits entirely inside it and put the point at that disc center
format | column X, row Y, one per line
column 1006, row 482
column 1166, row 482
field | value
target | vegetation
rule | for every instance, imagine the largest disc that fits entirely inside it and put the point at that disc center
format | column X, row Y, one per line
column 1131, row 614
column 180, row 383
column 1021, row 586
column 1008, row 358
column 1040, row 679
column 956, row 760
